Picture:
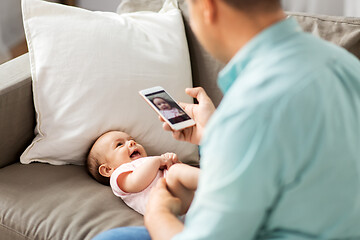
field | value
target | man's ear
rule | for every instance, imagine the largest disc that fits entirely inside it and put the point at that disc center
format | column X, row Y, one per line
column 210, row 11
column 105, row 170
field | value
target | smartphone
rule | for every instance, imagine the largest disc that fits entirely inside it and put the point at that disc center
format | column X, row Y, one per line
column 167, row 108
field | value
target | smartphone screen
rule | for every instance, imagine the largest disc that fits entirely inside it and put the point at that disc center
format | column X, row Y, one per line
column 167, row 107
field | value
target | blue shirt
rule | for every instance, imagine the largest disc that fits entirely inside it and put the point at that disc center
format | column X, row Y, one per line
column 281, row 155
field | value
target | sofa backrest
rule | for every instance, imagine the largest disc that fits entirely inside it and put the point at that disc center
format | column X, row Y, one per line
column 16, row 128
column 343, row 31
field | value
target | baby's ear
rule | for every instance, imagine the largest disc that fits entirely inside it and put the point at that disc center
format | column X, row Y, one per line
column 105, row 170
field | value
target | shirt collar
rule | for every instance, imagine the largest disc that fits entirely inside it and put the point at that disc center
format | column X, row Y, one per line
column 262, row 42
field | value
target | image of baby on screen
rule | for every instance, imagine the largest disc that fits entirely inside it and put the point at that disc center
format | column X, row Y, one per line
column 166, row 108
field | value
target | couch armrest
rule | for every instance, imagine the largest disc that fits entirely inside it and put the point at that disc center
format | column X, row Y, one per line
column 17, row 114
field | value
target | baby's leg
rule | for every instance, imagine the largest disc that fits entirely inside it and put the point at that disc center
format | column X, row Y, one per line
column 182, row 181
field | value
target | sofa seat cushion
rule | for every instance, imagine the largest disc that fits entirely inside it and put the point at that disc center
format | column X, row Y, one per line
column 41, row 201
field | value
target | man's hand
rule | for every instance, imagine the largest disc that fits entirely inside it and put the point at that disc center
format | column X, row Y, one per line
column 161, row 213
column 162, row 200
column 200, row 113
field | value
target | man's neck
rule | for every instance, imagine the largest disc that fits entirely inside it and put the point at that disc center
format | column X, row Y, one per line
column 244, row 27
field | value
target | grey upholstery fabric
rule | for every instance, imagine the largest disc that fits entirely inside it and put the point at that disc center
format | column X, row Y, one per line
column 16, row 109
column 41, row 201
column 343, row 31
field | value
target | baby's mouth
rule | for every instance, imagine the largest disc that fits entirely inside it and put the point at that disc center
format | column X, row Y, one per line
column 135, row 155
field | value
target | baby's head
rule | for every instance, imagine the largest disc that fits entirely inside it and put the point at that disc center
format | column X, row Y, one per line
column 161, row 103
column 109, row 151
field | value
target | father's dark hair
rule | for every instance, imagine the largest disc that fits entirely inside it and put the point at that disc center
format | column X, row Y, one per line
column 255, row 5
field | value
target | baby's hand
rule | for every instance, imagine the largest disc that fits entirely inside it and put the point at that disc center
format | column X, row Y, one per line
column 165, row 163
column 172, row 156
column 168, row 159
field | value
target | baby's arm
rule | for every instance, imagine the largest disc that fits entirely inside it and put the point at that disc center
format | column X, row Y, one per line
column 143, row 175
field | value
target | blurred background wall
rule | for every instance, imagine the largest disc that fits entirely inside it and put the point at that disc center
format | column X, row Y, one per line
column 12, row 42
column 11, row 31
column 99, row 5
column 328, row 7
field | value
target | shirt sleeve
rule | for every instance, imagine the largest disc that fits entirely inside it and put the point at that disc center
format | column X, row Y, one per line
column 237, row 184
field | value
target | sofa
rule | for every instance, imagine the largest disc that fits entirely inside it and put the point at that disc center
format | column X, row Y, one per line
column 40, row 201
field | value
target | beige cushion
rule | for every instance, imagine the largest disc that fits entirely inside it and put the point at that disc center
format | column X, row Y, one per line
column 87, row 83
column 343, row 31
column 42, row 201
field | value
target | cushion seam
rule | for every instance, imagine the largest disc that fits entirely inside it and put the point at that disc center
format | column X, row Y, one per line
column 38, row 126
column 15, row 231
column 325, row 20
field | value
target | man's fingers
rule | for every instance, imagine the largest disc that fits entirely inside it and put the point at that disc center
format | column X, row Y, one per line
column 178, row 135
column 166, row 127
column 188, row 107
column 161, row 119
column 198, row 93
column 183, row 105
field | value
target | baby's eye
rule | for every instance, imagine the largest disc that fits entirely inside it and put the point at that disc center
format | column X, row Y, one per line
column 119, row 144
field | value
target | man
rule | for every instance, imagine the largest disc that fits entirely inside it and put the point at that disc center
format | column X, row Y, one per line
column 280, row 155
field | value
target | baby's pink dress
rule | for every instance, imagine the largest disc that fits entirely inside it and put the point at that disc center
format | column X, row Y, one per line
column 174, row 112
column 136, row 201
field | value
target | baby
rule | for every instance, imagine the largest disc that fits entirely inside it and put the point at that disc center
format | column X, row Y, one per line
column 116, row 159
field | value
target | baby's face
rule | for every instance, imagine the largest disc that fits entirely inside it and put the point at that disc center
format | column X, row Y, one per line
column 118, row 148
column 161, row 104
